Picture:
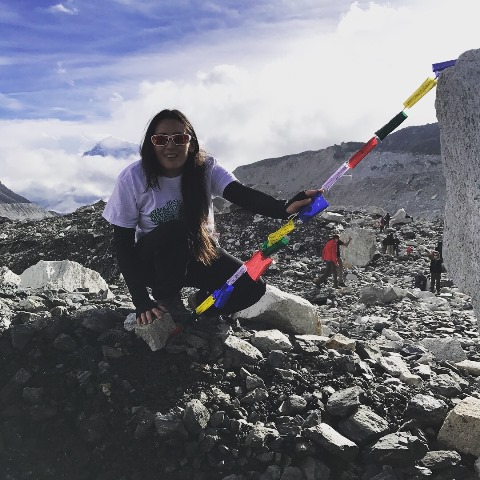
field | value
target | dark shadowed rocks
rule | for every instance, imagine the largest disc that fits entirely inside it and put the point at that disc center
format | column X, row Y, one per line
column 82, row 398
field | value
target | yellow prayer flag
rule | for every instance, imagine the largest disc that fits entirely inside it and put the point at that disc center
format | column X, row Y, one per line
column 205, row 305
column 281, row 232
column 424, row 88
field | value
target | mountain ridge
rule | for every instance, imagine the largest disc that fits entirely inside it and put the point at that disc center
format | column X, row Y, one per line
column 403, row 171
column 8, row 196
column 16, row 207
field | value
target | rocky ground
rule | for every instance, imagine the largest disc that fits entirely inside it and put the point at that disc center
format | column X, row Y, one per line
column 81, row 398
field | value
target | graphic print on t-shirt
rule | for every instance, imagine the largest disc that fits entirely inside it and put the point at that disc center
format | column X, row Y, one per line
column 172, row 210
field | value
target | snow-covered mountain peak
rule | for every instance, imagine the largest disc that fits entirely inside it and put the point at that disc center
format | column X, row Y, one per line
column 114, row 147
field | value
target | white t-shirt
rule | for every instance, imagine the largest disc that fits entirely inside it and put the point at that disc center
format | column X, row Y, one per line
column 130, row 206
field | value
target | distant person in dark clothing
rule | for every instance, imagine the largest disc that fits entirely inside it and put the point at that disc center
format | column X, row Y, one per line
column 387, row 220
column 382, row 224
column 341, row 281
column 396, row 245
column 435, row 270
column 330, row 257
column 420, row 281
column 389, row 244
column 439, row 249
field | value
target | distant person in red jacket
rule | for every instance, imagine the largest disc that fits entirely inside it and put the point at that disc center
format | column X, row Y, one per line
column 330, row 257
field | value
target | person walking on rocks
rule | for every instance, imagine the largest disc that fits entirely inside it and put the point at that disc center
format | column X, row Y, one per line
column 396, row 245
column 330, row 257
column 389, row 244
column 387, row 220
column 435, row 271
column 439, row 249
column 340, row 272
column 163, row 226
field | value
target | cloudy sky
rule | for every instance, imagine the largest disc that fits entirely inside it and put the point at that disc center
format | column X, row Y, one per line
column 258, row 78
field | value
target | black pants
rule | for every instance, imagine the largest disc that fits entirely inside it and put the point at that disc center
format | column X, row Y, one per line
column 168, row 265
column 331, row 269
column 435, row 281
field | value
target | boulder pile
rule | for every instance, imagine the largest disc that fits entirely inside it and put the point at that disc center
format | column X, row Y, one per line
column 386, row 387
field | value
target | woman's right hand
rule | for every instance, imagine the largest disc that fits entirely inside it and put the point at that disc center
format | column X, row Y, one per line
column 304, row 198
column 149, row 316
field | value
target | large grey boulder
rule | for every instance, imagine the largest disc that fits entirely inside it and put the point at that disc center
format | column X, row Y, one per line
column 458, row 114
column 396, row 449
column 283, row 311
column 333, row 217
column 361, row 249
column 240, row 352
column 64, row 274
column 445, row 349
column 461, row 429
column 400, row 218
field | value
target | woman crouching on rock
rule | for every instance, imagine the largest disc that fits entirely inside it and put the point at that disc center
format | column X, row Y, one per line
column 162, row 216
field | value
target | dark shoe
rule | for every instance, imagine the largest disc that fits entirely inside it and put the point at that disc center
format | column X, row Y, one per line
column 175, row 307
column 342, row 284
column 196, row 298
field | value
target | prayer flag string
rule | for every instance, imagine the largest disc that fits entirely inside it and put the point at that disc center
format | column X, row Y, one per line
column 260, row 260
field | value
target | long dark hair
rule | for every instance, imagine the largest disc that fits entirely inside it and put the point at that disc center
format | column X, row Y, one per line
column 195, row 201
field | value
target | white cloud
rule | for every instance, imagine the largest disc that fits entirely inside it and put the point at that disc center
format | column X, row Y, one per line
column 323, row 89
column 115, row 97
column 62, row 181
column 42, row 160
column 250, row 94
column 9, row 103
column 60, row 8
column 60, row 68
